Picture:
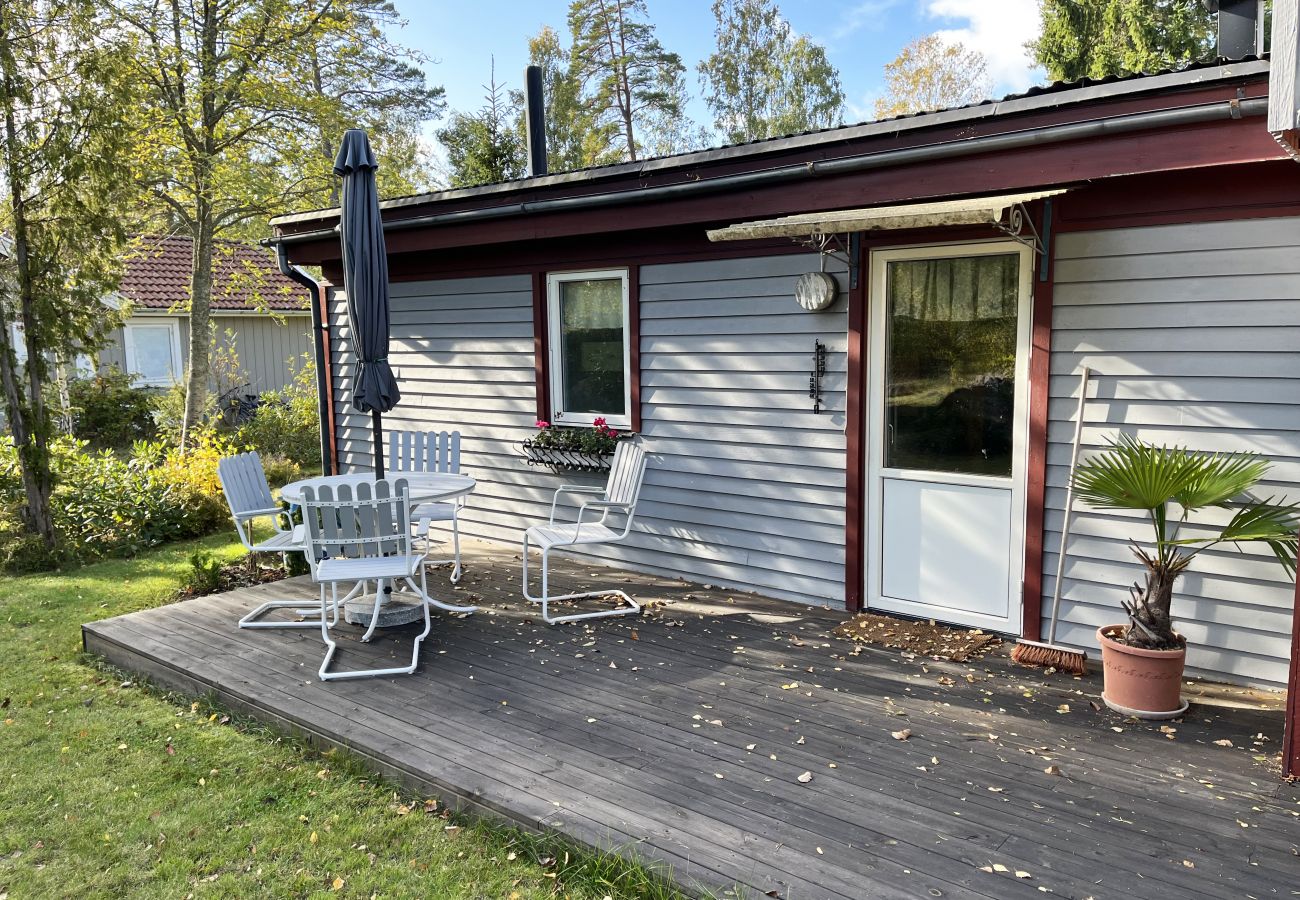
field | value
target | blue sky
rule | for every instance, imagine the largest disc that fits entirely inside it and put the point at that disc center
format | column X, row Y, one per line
column 860, row 36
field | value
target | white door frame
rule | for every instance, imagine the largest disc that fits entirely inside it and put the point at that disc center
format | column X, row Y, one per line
column 875, row 368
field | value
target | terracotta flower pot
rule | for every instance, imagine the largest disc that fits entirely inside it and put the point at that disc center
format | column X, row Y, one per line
column 1140, row 682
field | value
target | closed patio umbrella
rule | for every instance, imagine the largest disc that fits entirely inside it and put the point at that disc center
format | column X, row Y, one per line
column 365, row 280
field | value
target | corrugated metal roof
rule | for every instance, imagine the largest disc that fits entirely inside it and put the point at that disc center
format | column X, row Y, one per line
column 1078, row 90
column 245, row 277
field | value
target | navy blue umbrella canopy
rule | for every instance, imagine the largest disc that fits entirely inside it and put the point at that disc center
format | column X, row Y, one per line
column 365, row 281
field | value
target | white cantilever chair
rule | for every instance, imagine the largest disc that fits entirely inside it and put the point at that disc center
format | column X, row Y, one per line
column 433, row 451
column 359, row 538
column 243, row 480
column 618, row 497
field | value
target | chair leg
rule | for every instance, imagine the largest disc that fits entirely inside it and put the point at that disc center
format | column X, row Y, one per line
column 326, row 675
column 455, row 539
column 374, row 611
column 251, row 620
column 631, row 607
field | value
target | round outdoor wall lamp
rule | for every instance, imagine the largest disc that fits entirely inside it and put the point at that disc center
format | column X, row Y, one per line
column 815, row 291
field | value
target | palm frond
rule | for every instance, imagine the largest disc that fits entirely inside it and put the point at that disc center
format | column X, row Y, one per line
column 1274, row 524
column 1131, row 474
column 1214, row 479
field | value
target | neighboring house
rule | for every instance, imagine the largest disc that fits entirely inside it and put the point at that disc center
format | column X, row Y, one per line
column 255, row 309
column 1147, row 227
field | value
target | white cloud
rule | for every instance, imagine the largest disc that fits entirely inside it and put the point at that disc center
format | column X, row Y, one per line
column 997, row 28
column 866, row 15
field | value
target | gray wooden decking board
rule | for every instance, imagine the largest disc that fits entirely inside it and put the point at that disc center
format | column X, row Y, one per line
column 642, row 767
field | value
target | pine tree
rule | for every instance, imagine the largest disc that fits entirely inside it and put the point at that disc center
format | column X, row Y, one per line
column 486, row 146
column 763, row 82
column 630, row 79
column 1100, row 38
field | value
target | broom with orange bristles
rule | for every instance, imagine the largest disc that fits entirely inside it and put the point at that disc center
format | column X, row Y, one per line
column 1049, row 653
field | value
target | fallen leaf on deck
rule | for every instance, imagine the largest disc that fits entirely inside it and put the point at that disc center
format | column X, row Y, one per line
column 901, row 735
column 805, row 777
column 1223, row 743
column 1052, row 770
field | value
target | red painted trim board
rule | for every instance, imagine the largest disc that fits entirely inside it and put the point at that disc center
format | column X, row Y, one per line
column 541, row 350
column 1040, row 353
column 855, row 441
column 634, row 344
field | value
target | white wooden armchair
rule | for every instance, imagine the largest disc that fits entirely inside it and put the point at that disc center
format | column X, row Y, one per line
column 243, row 481
column 617, row 498
column 432, row 451
column 361, row 537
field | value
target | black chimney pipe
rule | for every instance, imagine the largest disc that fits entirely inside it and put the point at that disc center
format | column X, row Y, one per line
column 1240, row 27
column 535, row 116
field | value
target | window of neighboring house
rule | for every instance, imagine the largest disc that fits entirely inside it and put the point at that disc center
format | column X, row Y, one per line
column 153, row 352
column 589, row 347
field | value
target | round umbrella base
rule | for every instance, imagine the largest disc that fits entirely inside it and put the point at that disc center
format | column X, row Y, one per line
column 396, row 610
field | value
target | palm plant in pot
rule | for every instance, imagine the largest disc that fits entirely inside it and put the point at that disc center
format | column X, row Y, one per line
column 1143, row 659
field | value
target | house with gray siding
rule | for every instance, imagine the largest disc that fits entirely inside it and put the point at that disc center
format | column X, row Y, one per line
column 259, row 317
column 900, row 440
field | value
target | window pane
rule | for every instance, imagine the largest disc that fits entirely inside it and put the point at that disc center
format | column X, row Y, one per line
column 950, row 364
column 153, row 352
column 591, row 352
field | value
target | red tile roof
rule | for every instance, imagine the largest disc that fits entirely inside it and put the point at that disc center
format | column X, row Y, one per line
column 244, row 277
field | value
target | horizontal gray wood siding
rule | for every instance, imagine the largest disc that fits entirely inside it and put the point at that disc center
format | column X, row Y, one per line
column 270, row 349
column 745, row 486
column 1194, row 333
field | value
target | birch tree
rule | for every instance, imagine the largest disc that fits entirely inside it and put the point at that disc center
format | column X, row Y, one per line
column 763, row 81
column 62, row 196
column 931, row 74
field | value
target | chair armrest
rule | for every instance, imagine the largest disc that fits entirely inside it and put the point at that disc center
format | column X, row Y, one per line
column 606, row 504
column 574, row 489
column 259, row 513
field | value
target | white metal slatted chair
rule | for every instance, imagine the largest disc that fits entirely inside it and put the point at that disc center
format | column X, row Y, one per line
column 618, row 497
column 432, row 451
column 363, row 537
column 243, row 481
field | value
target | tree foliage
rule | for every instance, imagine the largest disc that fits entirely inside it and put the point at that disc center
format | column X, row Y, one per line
column 930, row 74
column 763, row 82
column 486, row 146
column 62, row 99
column 1099, row 38
column 241, row 98
column 575, row 136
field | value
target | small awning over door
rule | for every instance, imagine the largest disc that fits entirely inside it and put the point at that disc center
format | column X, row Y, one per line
column 965, row 211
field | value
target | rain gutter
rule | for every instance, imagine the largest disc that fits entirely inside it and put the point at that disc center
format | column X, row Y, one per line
column 1235, row 108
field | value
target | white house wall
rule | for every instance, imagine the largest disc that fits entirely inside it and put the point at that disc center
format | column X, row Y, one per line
column 745, row 486
column 1194, row 333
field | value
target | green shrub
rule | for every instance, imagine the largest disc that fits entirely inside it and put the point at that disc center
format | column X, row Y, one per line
column 281, row 471
column 109, row 504
column 205, row 573
column 286, row 423
column 107, row 411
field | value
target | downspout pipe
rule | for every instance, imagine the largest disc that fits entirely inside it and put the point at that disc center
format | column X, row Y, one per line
column 318, row 352
column 997, row 143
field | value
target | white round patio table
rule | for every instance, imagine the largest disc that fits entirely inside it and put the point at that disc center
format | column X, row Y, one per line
column 424, row 487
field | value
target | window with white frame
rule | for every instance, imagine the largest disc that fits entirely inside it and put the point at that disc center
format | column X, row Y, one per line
column 153, row 351
column 589, row 347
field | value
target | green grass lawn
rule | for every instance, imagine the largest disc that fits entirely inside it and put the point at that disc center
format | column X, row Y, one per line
column 112, row 789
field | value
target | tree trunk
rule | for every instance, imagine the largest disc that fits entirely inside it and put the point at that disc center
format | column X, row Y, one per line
column 200, row 363
column 28, row 421
column 1150, row 623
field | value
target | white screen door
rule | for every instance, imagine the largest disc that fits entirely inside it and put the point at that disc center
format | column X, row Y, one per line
column 947, row 382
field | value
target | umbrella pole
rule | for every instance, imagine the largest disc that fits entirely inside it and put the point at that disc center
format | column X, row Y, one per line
column 379, row 443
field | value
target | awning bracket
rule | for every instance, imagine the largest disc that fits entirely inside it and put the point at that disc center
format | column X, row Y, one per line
column 1018, row 222
column 843, row 247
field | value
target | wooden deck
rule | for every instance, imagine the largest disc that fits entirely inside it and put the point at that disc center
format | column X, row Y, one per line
column 681, row 737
